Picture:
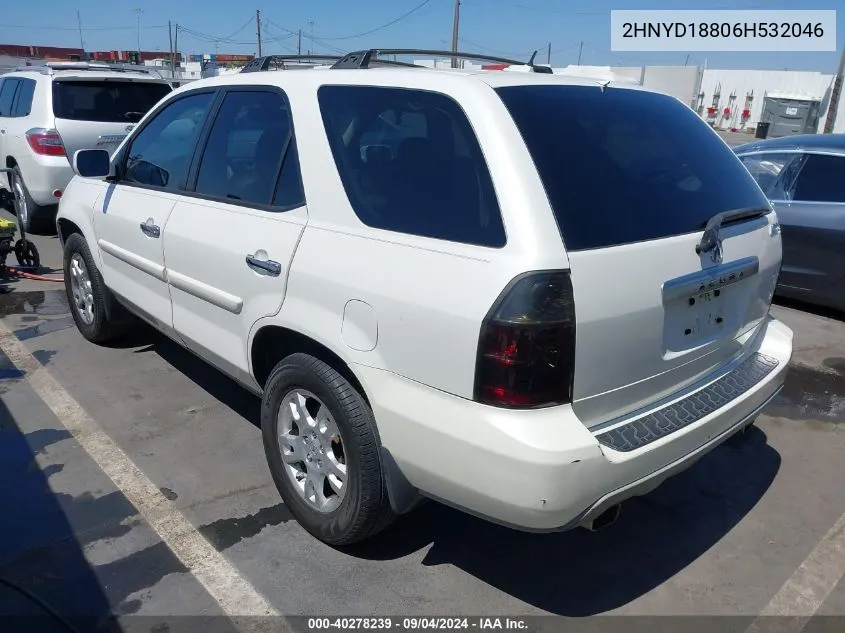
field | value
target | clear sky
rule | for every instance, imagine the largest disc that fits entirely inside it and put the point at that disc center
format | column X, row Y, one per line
column 511, row 28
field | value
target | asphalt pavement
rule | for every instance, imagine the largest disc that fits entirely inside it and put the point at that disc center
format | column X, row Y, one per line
column 756, row 526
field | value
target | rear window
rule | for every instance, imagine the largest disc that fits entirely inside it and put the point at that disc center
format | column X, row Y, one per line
column 105, row 101
column 622, row 166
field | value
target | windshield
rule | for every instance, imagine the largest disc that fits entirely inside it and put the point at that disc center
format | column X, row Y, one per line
column 106, row 101
column 622, row 166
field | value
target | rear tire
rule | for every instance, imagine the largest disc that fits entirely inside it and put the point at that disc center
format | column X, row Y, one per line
column 300, row 392
column 34, row 218
column 87, row 293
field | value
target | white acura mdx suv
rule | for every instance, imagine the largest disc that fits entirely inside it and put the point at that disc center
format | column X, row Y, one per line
column 524, row 295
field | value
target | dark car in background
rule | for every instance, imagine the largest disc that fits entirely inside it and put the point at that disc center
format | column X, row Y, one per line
column 804, row 177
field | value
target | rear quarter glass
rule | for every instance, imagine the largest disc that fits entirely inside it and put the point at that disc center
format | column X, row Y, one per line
column 104, row 101
column 622, row 166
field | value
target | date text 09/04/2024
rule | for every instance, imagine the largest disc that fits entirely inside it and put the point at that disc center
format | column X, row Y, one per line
column 407, row 623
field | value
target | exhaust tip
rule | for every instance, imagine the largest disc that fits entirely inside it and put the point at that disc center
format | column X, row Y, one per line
column 605, row 519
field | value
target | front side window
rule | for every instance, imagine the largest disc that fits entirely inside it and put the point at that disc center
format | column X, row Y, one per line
column 410, row 163
column 160, row 153
column 249, row 157
column 822, row 179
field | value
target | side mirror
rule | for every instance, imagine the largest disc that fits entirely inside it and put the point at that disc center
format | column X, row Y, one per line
column 92, row 163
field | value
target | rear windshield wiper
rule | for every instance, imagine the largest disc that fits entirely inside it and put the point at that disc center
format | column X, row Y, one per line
column 711, row 229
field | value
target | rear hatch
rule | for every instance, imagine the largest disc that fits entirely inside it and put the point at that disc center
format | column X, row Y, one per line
column 98, row 112
column 633, row 178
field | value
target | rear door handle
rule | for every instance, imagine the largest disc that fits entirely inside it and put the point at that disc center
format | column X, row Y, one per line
column 150, row 229
column 264, row 265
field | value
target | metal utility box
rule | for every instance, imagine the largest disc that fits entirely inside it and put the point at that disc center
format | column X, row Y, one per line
column 789, row 114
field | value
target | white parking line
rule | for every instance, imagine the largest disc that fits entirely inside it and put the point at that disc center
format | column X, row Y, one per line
column 809, row 586
column 235, row 595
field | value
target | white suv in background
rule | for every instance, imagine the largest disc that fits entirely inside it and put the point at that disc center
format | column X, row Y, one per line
column 48, row 112
column 524, row 295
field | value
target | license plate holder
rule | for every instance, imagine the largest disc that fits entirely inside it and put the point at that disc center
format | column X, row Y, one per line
column 705, row 315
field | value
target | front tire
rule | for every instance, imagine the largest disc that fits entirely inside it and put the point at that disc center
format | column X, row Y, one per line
column 87, row 293
column 322, row 447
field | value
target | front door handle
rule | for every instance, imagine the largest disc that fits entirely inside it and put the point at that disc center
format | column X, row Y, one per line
column 264, row 265
column 150, row 229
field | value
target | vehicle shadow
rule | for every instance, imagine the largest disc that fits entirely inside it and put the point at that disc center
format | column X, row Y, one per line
column 581, row 573
column 145, row 339
column 822, row 311
column 576, row 573
column 41, row 554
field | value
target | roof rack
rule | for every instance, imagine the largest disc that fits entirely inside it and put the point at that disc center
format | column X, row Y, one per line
column 284, row 62
column 50, row 68
column 281, row 62
column 364, row 58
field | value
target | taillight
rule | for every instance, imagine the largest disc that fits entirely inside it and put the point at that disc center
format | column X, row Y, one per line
column 526, row 351
column 45, row 142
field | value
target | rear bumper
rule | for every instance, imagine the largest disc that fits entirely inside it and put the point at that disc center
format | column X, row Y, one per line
column 45, row 174
column 544, row 470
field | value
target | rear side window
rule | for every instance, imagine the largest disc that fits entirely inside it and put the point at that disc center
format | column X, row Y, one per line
column 622, row 166
column 23, row 100
column 410, row 163
column 250, row 144
column 822, row 179
column 112, row 101
column 775, row 173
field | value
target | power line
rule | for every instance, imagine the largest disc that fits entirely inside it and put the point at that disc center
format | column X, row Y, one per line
column 87, row 28
column 214, row 39
column 525, row 7
column 495, row 51
column 383, row 26
column 300, row 34
column 331, row 47
column 229, row 37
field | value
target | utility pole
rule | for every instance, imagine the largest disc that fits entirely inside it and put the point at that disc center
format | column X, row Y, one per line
column 311, row 39
column 580, row 48
column 835, row 94
column 176, row 48
column 549, row 55
column 170, row 35
column 138, row 12
column 455, row 23
column 299, row 42
column 258, row 29
column 79, row 24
